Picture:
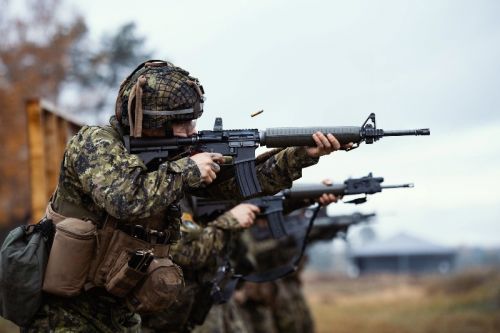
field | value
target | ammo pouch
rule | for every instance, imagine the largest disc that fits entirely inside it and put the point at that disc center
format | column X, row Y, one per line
column 70, row 257
column 114, row 243
column 150, row 291
column 159, row 289
column 122, row 278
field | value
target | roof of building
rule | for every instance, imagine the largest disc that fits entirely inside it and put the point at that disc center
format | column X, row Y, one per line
column 401, row 245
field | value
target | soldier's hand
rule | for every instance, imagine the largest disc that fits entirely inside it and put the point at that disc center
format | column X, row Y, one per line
column 208, row 163
column 326, row 199
column 245, row 214
column 325, row 144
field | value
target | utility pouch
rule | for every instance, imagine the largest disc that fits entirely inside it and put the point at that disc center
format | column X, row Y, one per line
column 122, row 278
column 70, row 257
column 119, row 242
column 104, row 236
column 159, row 289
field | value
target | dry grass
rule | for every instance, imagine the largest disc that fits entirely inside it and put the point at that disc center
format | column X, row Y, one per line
column 465, row 303
column 7, row 326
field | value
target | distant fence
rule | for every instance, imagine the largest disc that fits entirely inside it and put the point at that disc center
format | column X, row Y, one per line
column 48, row 132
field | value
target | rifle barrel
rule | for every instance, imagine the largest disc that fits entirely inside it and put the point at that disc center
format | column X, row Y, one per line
column 421, row 131
column 397, row 186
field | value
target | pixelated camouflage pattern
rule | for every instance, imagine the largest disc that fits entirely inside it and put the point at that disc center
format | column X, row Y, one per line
column 99, row 175
column 257, row 317
column 84, row 314
column 283, row 299
column 175, row 319
column 166, row 88
column 198, row 252
column 223, row 318
column 290, row 310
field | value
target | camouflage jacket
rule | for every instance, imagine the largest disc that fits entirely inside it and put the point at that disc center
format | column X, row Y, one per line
column 199, row 244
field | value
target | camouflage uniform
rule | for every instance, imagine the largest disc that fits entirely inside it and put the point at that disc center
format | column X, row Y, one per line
column 99, row 177
column 223, row 318
column 100, row 180
column 290, row 311
column 277, row 306
column 198, row 248
column 86, row 313
column 255, row 306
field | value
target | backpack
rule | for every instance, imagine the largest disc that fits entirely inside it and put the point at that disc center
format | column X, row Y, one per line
column 23, row 258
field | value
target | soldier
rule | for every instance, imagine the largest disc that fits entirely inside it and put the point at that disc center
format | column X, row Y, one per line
column 198, row 252
column 102, row 186
column 105, row 190
column 280, row 305
column 250, row 310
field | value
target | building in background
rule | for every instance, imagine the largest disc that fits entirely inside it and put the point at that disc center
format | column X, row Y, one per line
column 403, row 254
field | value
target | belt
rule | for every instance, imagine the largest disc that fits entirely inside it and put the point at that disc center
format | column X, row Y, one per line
column 148, row 235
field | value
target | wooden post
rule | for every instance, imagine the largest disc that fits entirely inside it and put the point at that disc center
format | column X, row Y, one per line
column 52, row 153
column 48, row 132
column 36, row 145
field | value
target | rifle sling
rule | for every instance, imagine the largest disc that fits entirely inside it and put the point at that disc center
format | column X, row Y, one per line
column 283, row 270
column 271, row 274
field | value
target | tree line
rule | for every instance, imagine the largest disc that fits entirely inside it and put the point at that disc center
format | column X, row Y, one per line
column 46, row 51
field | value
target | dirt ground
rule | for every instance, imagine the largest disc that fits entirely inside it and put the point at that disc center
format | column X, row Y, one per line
column 464, row 303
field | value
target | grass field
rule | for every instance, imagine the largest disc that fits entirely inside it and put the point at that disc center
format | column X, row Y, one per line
column 465, row 303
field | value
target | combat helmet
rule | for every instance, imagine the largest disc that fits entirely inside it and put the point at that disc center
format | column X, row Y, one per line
column 155, row 94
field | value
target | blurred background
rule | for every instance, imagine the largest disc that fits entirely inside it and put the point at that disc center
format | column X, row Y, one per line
column 307, row 63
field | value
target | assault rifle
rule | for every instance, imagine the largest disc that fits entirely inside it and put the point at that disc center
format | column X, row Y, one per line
column 272, row 206
column 325, row 227
column 336, row 225
column 240, row 144
column 364, row 185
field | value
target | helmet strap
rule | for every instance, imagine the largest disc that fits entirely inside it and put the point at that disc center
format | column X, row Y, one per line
column 136, row 98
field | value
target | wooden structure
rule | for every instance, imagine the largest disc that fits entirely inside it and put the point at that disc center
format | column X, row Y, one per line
column 48, row 132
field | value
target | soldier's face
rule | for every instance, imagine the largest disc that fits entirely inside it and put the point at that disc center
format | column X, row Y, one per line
column 184, row 128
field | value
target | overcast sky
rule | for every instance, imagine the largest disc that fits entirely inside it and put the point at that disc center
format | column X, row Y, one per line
column 414, row 63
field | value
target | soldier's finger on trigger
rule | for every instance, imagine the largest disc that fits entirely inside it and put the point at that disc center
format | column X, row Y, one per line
column 211, row 174
column 217, row 157
column 215, row 167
